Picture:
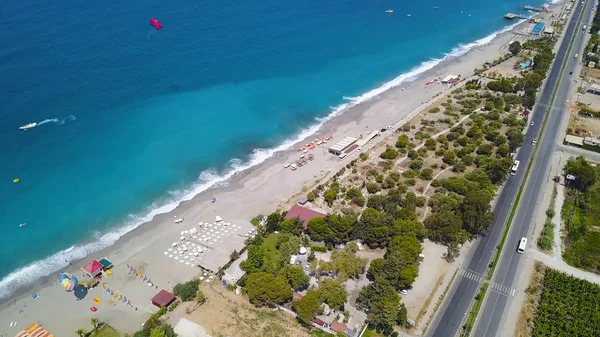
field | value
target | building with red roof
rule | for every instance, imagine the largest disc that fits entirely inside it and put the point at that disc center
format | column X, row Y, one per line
column 92, row 268
column 303, row 213
column 163, row 298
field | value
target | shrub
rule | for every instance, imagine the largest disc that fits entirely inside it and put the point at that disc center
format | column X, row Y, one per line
column 310, row 196
column 373, row 187
column 426, row 174
column 389, row 153
column 318, row 249
column 402, row 141
column 186, row 291
column 434, row 110
column 364, row 156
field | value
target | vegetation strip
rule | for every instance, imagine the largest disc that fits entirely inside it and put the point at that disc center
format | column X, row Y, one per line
column 470, row 322
column 440, row 300
column 515, row 206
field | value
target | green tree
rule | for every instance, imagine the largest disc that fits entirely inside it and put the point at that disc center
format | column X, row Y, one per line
column 255, row 260
column 426, row 174
column 585, row 175
column 273, row 221
column 309, row 306
column 476, row 212
column 409, row 227
column 346, row 264
column 402, row 141
column 94, row 322
column 292, row 226
column 333, row 292
column 382, row 303
column 330, row 196
column 287, row 245
column 265, row 289
column 81, row 332
column 389, row 153
column 449, row 157
column 318, row 229
column 402, row 315
column 515, row 48
column 515, row 138
column 157, row 332
column 295, row 276
column 445, row 227
column 186, row 291
column 200, row 298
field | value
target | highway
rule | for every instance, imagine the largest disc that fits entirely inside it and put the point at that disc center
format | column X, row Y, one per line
column 507, row 272
column 455, row 308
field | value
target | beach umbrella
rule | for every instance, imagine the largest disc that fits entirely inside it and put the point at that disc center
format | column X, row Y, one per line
column 213, row 200
column 67, row 281
column 97, row 300
column 80, row 292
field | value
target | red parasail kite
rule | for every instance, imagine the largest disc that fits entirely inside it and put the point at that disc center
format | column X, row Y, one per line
column 155, row 23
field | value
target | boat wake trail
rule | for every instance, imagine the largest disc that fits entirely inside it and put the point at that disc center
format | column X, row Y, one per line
column 59, row 121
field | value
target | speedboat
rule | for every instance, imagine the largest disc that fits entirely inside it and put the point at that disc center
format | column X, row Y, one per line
column 28, row 126
column 23, row 224
column 390, row 11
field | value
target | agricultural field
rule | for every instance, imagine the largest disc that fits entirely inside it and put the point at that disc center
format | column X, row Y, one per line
column 568, row 307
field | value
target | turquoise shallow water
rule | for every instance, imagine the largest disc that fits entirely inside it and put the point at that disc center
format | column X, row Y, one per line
column 131, row 123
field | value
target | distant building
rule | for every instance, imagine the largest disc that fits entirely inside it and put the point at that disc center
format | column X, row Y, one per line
column 303, row 213
column 339, row 327
column 573, row 140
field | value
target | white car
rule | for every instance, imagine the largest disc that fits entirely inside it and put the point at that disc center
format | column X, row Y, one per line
column 286, row 165
column 404, row 292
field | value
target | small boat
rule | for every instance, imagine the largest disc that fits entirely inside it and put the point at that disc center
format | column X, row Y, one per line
column 408, row 14
column 390, row 11
column 23, row 224
column 28, row 126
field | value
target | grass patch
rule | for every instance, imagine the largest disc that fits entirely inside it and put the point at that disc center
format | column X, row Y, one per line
column 568, row 307
column 546, row 239
column 474, row 311
column 106, row 331
column 269, row 244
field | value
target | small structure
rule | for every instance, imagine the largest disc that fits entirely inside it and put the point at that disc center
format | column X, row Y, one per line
column 163, row 298
column 549, row 31
column 92, row 268
column 593, row 89
column 303, row 201
column 106, row 264
column 320, row 322
column 234, row 273
column 538, row 28
column 303, row 214
column 342, row 145
column 574, row 140
column 339, row 327
column 450, row 79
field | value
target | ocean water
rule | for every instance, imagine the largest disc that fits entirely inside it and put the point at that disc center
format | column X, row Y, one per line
column 131, row 123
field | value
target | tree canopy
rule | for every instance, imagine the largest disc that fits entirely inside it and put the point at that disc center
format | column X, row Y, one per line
column 585, row 175
column 265, row 289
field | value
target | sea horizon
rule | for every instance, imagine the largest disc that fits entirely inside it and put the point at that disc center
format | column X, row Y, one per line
column 70, row 230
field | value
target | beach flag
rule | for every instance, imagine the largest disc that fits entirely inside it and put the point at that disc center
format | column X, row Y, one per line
column 145, row 278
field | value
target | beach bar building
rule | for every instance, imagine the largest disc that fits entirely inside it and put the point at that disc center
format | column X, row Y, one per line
column 92, row 268
column 342, row 145
column 163, row 298
column 303, row 213
column 538, row 28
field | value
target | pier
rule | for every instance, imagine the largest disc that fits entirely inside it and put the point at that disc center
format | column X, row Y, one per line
column 511, row 16
column 533, row 9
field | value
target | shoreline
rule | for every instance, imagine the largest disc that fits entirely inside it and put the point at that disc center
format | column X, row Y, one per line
column 341, row 115
column 393, row 106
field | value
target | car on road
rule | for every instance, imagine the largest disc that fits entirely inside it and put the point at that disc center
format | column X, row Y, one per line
column 533, row 142
column 522, row 245
column 404, row 292
column 570, row 73
column 532, row 123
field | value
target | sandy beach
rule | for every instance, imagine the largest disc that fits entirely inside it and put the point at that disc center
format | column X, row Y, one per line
column 258, row 190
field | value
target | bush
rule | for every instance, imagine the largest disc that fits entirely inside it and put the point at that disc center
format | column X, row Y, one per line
column 402, row 141
column 434, row 110
column 389, row 153
column 310, row 196
column 318, row 249
column 364, row 156
column 186, row 291
column 373, row 187
column 426, row 174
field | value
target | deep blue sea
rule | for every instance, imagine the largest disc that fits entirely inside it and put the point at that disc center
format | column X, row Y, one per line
column 130, row 123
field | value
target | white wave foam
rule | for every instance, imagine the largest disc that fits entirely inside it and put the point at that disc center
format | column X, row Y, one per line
column 212, row 178
column 59, row 121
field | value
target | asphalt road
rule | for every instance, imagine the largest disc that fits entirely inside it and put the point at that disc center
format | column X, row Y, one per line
column 508, row 269
column 470, row 279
